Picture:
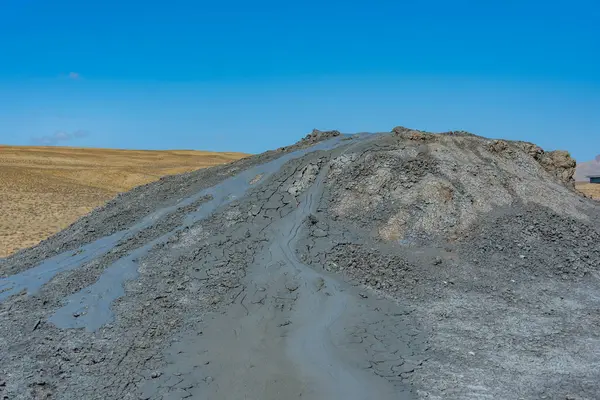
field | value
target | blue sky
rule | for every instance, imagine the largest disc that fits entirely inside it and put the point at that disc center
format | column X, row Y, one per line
column 249, row 76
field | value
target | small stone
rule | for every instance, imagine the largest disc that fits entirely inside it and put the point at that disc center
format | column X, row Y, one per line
column 322, row 225
column 320, row 283
column 209, row 379
column 292, row 286
column 155, row 374
column 319, row 233
column 437, row 261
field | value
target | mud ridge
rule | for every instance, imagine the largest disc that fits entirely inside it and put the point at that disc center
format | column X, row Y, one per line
column 401, row 265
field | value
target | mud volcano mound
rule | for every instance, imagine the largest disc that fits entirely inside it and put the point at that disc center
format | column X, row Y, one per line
column 395, row 265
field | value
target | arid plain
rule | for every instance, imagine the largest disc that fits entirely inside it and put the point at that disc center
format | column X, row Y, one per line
column 590, row 189
column 45, row 189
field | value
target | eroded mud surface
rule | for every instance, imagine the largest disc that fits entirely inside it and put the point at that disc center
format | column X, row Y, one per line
column 388, row 266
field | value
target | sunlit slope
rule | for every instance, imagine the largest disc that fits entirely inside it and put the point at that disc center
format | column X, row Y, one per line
column 45, row 189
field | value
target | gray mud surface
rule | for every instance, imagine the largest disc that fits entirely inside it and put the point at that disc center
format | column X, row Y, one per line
column 400, row 265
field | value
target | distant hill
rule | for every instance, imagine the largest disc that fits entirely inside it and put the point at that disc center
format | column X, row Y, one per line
column 584, row 169
column 45, row 189
column 587, row 168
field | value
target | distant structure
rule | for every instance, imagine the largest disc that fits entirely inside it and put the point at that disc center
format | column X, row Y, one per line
column 594, row 178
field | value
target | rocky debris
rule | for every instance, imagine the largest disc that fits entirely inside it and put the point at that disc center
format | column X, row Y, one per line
column 538, row 240
column 416, row 265
column 256, row 179
column 374, row 269
column 317, row 228
column 401, row 130
column 317, row 136
column 533, row 150
column 418, row 191
column 413, row 135
column 498, row 146
column 460, row 134
column 558, row 163
column 303, row 179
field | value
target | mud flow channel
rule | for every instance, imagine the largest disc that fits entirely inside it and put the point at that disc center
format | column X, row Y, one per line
column 292, row 332
column 296, row 333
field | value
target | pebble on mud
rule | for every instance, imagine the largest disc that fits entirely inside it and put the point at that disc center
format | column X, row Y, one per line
column 292, row 286
column 319, row 233
column 320, row 283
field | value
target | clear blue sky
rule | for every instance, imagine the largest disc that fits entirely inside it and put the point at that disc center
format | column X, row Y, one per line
column 253, row 75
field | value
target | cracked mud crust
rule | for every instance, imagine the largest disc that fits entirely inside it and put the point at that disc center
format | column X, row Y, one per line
column 403, row 265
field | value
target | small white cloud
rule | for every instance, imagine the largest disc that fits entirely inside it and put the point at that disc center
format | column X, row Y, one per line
column 61, row 135
column 74, row 75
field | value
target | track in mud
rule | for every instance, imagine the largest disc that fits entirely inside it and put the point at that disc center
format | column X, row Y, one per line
column 290, row 334
column 93, row 304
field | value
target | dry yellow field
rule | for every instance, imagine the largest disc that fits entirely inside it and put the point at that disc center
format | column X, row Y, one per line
column 590, row 189
column 45, row 189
